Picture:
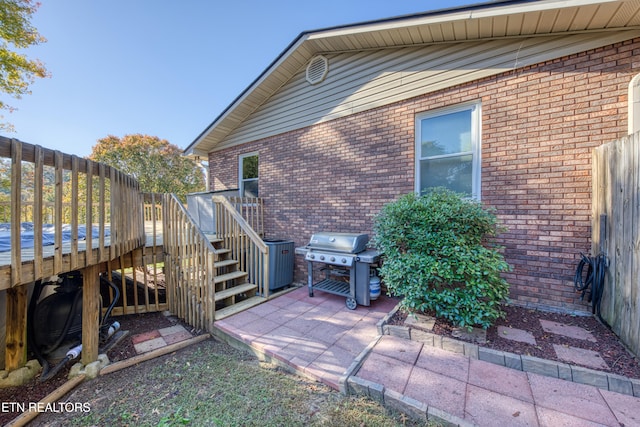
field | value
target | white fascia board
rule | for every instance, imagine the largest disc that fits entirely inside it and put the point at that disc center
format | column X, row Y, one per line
column 192, row 148
column 490, row 12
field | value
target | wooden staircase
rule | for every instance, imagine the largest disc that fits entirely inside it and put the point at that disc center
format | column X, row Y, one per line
column 234, row 293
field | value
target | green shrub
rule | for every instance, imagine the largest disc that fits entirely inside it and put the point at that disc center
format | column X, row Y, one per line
column 438, row 255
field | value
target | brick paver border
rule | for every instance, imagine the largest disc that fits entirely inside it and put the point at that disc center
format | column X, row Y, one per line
column 550, row 368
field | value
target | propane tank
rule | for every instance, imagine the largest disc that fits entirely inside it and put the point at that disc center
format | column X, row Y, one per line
column 374, row 286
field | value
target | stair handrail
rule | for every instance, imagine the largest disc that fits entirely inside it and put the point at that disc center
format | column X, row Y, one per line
column 242, row 223
column 245, row 243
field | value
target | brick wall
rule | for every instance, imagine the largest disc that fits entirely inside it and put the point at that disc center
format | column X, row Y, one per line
column 539, row 125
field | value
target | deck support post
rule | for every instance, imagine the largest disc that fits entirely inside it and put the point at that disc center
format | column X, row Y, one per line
column 16, row 328
column 90, row 313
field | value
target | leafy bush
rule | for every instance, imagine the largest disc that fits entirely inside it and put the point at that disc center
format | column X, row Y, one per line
column 438, row 255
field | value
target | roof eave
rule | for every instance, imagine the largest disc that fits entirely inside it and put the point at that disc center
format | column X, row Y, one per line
column 474, row 11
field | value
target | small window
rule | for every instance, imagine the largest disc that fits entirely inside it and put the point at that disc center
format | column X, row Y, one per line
column 249, row 175
column 448, row 150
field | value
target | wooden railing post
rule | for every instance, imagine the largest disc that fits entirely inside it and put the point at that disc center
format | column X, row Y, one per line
column 16, row 328
column 90, row 313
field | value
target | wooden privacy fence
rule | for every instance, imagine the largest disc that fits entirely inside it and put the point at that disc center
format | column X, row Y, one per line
column 616, row 194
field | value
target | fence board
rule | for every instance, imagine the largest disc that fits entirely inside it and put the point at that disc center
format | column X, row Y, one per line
column 616, row 194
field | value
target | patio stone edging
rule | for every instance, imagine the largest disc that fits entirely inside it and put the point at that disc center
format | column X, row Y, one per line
column 356, row 364
column 415, row 409
column 549, row 368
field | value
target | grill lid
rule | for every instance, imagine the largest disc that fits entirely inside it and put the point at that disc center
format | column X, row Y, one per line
column 339, row 242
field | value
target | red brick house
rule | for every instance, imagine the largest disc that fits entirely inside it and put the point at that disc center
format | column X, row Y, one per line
column 517, row 92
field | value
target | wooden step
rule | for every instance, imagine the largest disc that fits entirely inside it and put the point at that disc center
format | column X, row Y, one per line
column 222, row 251
column 225, row 263
column 237, row 308
column 230, row 276
column 236, row 290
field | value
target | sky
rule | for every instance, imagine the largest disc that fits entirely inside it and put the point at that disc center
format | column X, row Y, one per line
column 164, row 68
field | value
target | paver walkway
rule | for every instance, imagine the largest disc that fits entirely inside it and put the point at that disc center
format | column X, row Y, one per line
column 569, row 354
column 317, row 336
column 159, row 338
column 481, row 393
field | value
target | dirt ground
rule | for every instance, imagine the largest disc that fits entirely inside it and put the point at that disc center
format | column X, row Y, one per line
column 35, row 390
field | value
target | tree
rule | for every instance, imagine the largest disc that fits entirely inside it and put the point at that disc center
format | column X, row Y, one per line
column 17, row 72
column 156, row 164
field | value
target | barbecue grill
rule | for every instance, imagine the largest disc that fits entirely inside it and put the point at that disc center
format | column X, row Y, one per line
column 342, row 256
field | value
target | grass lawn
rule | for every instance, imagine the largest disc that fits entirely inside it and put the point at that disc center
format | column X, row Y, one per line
column 213, row 384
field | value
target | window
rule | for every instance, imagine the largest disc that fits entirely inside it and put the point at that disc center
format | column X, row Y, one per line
column 249, row 175
column 634, row 105
column 448, row 150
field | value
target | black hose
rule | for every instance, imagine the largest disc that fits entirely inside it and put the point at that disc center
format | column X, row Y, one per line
column 37, row 291
column 596, row 268
column 104, row 326
column 52, row 372
column 115, row 298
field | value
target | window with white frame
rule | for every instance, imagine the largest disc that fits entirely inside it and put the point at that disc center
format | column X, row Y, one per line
column 633, row 101
column 248, row 179
column 448, row 150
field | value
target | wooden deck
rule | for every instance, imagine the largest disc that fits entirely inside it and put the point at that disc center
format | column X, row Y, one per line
column 154, row 253
column 72, row 258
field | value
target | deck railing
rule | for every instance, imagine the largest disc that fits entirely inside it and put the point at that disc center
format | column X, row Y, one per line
column 240, row 237
column 189, row 267
column 101, row 199
column 48, row 212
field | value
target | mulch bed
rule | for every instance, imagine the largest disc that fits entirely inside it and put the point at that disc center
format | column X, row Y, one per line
column 620, row 360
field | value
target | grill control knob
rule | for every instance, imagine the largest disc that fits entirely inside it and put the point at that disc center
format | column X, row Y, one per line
column 312, row 256
column 344, row 260
column 332, row 259
column 321, row 257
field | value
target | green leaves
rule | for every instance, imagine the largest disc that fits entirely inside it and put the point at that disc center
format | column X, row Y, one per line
column 157, row 165
column 17, row 72
column 437, row 255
